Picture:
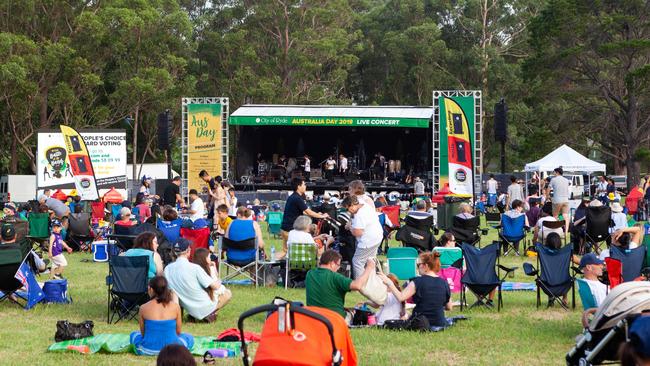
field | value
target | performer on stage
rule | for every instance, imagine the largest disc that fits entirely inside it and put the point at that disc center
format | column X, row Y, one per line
column 307, row 167
column 330, row 165
column 282, row 161
column 343, row 164
column 259, row 160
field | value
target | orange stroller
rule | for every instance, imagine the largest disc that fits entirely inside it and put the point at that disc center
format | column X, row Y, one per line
column 300, row 336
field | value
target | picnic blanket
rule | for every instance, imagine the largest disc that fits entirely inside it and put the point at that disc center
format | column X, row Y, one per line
column 518, row 286
column 119, row 343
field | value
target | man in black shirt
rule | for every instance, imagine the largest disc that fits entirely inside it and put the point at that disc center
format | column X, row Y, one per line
column 295, row 207
column 172, row 195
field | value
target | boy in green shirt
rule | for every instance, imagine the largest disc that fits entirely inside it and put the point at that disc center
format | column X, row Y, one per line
column 327, row 289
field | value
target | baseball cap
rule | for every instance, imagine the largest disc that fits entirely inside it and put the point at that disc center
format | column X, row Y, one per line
column 640, row 335
column 56, row 222
column 7, row 232
column 42, row 198
column 589, row 258
column 11, row 206
column 181, row 245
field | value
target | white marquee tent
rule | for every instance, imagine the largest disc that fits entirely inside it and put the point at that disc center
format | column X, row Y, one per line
column 569, row 159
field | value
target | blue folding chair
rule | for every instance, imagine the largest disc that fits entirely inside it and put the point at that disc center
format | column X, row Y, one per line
column 631, row 259
column 482, row 274
column 586, row 296
column 513, row 231
column 552, row 274
column 171, row 229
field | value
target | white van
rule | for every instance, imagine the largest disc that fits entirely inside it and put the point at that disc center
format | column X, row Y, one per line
column 17, row 188
column 576, row 184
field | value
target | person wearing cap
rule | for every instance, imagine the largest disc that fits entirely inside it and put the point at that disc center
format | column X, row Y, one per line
column 55, row 250
column 592, row 268
column 145, row 187
column 9, row 211
column 7, row 234
column 125, row 217
column 618, row 217
column 59, row 208
column 636, row 352
column 172, row 193
column 190, row 282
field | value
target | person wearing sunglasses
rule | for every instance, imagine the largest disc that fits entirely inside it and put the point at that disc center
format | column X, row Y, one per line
column 430, row 293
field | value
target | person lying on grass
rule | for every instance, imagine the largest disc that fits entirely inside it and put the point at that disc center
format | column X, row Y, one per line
column 327, row 289
column 160, row 321
column 430, row 292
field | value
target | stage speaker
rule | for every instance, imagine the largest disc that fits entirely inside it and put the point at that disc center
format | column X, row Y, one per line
column 164, row 130
column 160, row 185
column 339, row 181
column 501, row 121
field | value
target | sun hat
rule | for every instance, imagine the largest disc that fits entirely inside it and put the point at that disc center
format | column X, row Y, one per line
column 616, row 207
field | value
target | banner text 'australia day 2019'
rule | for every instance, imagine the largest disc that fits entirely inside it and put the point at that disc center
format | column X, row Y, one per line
column 456, row 141
column 204, row 142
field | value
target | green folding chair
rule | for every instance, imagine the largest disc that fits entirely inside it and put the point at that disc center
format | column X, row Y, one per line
column 300, row 257
column 450, row 256
column 39, row 228
column 402, row 262
column 586, row 296
column 274, row 219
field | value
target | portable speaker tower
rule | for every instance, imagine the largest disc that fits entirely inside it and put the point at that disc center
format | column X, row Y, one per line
column 501, row 121
column 164, row 130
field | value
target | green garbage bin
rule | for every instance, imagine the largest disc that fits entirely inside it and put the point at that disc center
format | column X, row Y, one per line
column 448, row 210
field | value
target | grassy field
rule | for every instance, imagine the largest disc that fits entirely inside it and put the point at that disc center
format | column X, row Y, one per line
column 518, row 335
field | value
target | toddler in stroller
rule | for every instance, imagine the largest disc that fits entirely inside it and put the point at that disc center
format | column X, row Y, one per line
column 611, row 324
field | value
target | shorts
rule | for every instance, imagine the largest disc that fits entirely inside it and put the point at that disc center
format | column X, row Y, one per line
column 59, row 261
column 561, row 207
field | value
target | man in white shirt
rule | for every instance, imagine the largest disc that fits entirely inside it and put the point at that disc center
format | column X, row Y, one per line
column 418, row 187
column 366, row 228
column 601, row 189
column 197, row 208
column 560, row 186
column 330, row 164
column 343, row 164
column 492, row 186
column 307, row 167
column 592, row 268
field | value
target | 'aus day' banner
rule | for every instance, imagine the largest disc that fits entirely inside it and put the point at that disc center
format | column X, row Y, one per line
column 456, row 132
column 82, row 167
column 203, row 143
column 106, row 150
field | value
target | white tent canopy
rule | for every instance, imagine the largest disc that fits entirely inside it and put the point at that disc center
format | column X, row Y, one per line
column 569, row 159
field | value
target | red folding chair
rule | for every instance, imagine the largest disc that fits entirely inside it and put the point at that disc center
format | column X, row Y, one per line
column 198, row 237
column 97, row 209
column 614, row 272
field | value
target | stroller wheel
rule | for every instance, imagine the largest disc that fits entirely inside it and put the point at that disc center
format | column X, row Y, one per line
column 584, row 362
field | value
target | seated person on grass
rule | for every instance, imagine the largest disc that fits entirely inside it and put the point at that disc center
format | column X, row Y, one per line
column 592, row 268
column 189, row 281
column 327, row 289
column 125, row 218
column 160, row 321
column 8, row 236
column 244, row 228
column 430, row 292
column 146, row 244
column 626, row 238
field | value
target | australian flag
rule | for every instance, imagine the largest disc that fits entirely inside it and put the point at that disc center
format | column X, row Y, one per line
column 32, row 289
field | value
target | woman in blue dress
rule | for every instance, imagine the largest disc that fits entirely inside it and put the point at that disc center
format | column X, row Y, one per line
column 160, row 321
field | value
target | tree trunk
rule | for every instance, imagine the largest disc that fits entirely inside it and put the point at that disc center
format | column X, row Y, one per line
column 632, row 171
column 43, row 108
column 13, row 167
column 134, row 155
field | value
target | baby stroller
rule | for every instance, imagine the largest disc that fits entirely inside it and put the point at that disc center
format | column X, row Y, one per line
column 609, row 327
column 300, row 336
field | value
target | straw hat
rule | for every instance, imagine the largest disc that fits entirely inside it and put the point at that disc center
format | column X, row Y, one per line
column 616, row 207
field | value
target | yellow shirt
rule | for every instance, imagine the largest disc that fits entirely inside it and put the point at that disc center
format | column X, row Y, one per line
column 223, row 224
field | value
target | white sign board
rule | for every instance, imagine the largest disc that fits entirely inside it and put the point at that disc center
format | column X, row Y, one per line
column 107, row 149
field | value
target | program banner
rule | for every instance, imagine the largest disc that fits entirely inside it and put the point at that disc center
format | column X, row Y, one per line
column 204, row 143
column 107, row 152
column 456, row 142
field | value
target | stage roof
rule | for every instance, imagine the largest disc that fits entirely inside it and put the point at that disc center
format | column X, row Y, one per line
column 326, row 115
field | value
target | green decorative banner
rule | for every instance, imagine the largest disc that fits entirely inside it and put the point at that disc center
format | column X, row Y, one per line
column 466, row 107
column 329, row 121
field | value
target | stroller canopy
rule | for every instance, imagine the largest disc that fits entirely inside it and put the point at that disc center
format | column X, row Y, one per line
column 625, row 299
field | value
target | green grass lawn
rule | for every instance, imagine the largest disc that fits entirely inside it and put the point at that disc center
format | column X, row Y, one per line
column 518, row 335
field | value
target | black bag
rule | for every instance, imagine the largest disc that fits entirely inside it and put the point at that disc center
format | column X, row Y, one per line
column 360, row 317
column 416, row 322
column 66, row 331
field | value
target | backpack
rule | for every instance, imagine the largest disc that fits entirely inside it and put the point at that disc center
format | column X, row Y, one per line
column 66, row 331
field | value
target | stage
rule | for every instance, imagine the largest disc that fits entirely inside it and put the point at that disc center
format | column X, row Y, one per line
column 320, row 187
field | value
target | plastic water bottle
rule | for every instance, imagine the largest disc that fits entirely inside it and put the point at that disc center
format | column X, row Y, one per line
column 272, row 254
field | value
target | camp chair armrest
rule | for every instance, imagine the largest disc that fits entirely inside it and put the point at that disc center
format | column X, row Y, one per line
column 507, row 269
column 576, row 270
column 529, row 269
column 645, row 272
column 484, row 231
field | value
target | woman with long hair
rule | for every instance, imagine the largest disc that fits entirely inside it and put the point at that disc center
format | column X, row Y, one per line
column 430, row 293
column 146, row 244
column 160, row 321
column 222, row 294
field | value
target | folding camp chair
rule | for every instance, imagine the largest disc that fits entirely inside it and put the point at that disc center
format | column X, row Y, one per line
column 97, row 210
column 115, row 212
column 552, row 226
column 39, row 228
column 417, row 232
column 493, row 218
column 171, row 229
column 512, row 231
column 123, row 236
column 127, row 285
column 274, row 219
column 482, row 274
column 242, row 257
column 198, row 237
column 553, row 274
column 79, row 231
column 11, row 257
column 21, row 227
column 467, row 230
column 586, row 296
column 402, row 262
column 300, row 257
column 598, row 221
column 614, row 272
column 450, row 257
column 631, row 260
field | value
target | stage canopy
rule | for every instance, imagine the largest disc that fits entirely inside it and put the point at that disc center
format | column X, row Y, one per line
column 350, row 116
column 569, row 159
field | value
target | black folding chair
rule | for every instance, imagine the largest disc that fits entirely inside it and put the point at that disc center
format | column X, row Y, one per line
column 553, row 274
column 493, row 218
column 79, row 231
column 631, row 259
column 11, row 257
column 127, row 286
column 482, row 274
column 417, row 232
column 552, row 226
column 123, row 236
column 467, row 230
column 598, row 221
